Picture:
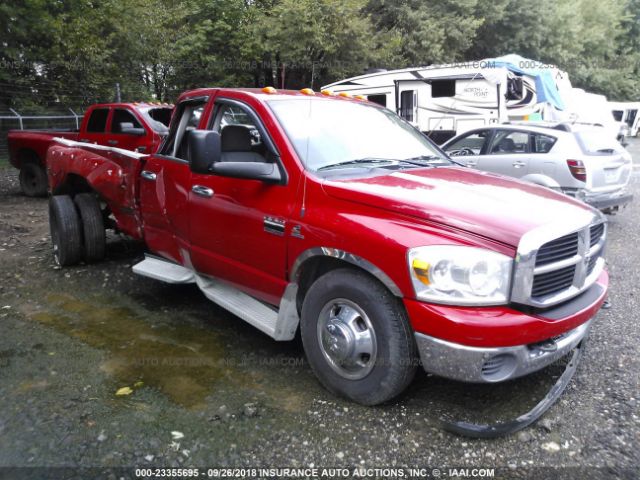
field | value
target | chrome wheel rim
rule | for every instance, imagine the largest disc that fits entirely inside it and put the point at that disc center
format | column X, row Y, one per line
column 347, row 339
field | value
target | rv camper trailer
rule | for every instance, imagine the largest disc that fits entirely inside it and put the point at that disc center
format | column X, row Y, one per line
column 627, row 112
column 445, row 100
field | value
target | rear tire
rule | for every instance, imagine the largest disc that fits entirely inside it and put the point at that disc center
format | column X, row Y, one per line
column 92, row 220
column 33, row 180
column 357, row 337
column 65, row 226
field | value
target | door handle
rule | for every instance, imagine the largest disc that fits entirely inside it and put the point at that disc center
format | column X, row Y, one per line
column 112, row 142
column 519, row 164
column 147, row 175
column 471, row 163
column 202, row 191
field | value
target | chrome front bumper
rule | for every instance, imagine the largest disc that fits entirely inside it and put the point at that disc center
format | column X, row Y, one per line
column 490, row 365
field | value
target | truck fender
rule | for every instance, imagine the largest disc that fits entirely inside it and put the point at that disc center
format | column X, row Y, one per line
column 543, row 180
column 346, row 257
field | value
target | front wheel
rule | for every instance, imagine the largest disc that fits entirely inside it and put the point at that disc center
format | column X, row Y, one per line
column 357, row 338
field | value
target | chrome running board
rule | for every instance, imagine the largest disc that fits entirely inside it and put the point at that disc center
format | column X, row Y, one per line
column 280, row 324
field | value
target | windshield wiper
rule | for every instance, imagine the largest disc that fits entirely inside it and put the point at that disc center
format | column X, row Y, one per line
column 357, row 161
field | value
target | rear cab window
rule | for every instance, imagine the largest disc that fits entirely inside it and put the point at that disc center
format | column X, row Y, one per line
column 97, row 122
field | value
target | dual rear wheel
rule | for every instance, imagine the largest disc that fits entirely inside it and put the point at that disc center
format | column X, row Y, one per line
column 77, row 229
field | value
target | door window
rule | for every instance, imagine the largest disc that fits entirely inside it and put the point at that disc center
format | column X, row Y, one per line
column 240, row 135
column 470, row 144
column 187, row 118
column 98, row 120
column 543, row 143
column 510, row 142
column 124, row 120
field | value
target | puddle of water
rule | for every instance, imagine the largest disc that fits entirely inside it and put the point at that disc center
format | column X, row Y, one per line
column 182, row 361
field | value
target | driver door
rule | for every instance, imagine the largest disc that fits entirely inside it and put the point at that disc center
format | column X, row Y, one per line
column 237, row 226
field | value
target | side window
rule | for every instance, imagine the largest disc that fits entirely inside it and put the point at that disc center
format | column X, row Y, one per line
column 187, row 118
column 470, row 144
column 510, row 142
column 123, row 121
column 98, row 120
column 443, row 88
column 407, row 104
column 240, row 135
column 543, row 143
column 380, row 99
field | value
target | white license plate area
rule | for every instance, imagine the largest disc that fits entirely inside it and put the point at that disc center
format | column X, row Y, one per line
column 611, row 176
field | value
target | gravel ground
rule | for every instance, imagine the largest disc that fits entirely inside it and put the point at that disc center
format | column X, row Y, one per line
column 205, row 389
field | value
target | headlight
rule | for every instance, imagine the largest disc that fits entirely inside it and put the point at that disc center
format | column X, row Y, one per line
column 460, row 275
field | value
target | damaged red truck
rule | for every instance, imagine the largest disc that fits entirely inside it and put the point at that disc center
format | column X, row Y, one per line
column 331, row 215
column 131, row 126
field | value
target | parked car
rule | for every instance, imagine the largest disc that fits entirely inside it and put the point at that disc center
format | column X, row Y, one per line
column 132, row 126
column 341, row 220
column 579, row 160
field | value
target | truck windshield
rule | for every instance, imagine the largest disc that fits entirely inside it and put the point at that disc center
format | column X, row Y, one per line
column 331, row 134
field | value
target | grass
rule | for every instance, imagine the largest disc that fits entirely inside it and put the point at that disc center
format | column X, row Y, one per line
column 4, row 161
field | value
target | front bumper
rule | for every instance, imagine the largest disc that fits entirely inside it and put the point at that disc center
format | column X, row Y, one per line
column 489, row 365
column 494, row 344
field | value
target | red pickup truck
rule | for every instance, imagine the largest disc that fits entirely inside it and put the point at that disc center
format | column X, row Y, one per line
column 333, row 216
column 132, row 126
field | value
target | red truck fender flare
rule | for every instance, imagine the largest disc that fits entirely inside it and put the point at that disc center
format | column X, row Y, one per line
column 348, row 257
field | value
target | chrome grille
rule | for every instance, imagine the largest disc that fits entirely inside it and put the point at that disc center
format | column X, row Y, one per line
column 556, row 250
column 595, row 234
column 553, row 282
column 559, row 261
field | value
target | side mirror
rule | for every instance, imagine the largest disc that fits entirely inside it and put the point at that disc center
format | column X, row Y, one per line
column 128, row 129
column 204, row 149
column 265, row 172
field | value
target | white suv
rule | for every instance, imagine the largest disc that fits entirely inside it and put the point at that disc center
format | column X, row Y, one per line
column 578, row 160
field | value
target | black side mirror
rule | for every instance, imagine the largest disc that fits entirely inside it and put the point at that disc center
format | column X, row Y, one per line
column 265, row 172
column 204, row 149
column 129, row 129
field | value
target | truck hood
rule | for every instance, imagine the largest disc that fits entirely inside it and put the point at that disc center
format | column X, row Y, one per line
column 495, row 207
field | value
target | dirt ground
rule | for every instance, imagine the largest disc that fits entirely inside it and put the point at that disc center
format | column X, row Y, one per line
column 208, row 390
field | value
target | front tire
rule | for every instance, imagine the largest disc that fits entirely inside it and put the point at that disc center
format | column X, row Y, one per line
column 33, row 180
column 93, row 231
column 65, row 226
column 357, row 338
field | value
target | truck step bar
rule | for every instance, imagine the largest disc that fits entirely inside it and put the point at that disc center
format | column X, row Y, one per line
column 280, row 324
column 239, row 303
column 164, row 271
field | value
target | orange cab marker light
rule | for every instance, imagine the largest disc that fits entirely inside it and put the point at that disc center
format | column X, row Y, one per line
column 307, row 91
column 345, row 94
column 360, row 97
column 326, row 92
column 268, row 90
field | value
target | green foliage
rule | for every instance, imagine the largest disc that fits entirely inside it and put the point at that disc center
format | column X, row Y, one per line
column 73, row 52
